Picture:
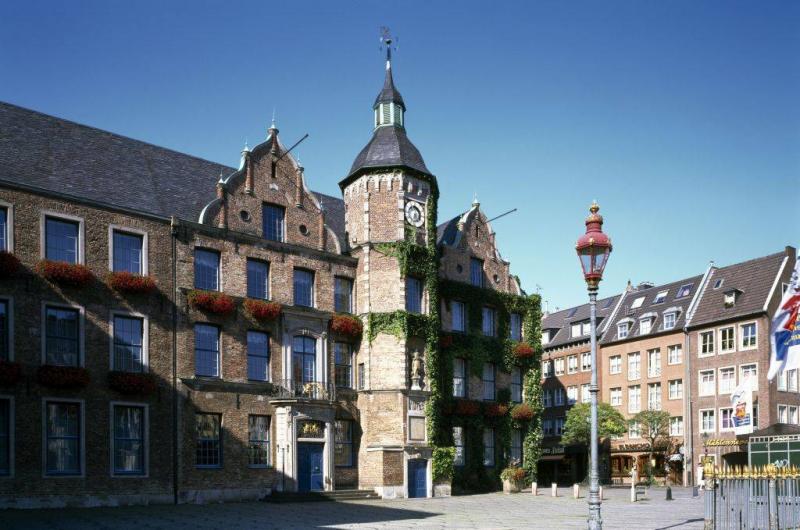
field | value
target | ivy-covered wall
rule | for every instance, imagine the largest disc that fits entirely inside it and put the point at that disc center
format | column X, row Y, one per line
column 442, row 410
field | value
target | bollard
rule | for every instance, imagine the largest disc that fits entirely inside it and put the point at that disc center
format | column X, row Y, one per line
column 669, row 493
column 554, row 489
column 601, row 493
column 633, row 492
column 576, row 491
column 534, row 489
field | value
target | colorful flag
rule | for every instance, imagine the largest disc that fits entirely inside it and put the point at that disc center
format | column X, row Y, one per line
column 742, row 403
column 785, row 329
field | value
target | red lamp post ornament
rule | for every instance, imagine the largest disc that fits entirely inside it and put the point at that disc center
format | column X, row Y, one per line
column 593, row 249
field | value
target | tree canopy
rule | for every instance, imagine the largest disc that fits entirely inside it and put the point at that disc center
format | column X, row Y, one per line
column 654, row 425
column 577, row 430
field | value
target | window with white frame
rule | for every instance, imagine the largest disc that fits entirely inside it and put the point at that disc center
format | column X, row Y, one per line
column 208, row 448
column 654, row 396
column 727, row 340
column 676, row 426
column 572, row 364
column 726, row 419
column 634, row 430
column 459, row 316
column 783, row 414
column 791, row 380
column 206, row 269
column 545, row 337
column 488, row 381
column 547, row 398
column 257, row 279
column 5, row 229
column 634, row 365
column 623, row 329
column 674, row 354
column 516, row 384
column 793, row 419
column 258, row 441
column 669, row 320
column 129, row 343
column 416, row 419
column 343, row 354
column 634, row 399
column 660, row 297
column 458, row 443
column 654, row 362
column 782, row 380
column 62, row 336
column 488, row 447
column 748, row 333
column 62, row 240
column 615, row 364
column 708, row 421
column 706, row 343
column 585, row 397
column 129, row 442
column 516, row 446
column 637, row 303
column 5, row 437
column 616, row 396
column 559, row 366
column 676, row 389
column 303, row 284
column 128, row 252
column 708, row 383
column 727, row 379
column 586, row 328
column 575, row 330
column 547, row 427
column 749, row 371
column 63, row 434
column 488, row 322
column 459, row 377
column 645, row 325
column 572, row 394
column 273, row 222
column 206, row 350
column 476, row 272
column 515, row 325
column 343, row 294
column 547, row 368
column 558, row 397
column 586, row 361
column 258, row 356
column 559, row 426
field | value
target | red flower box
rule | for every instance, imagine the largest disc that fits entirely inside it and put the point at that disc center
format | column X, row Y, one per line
column 10, row 373
column 347, row 325
column 522, row 412
column 522, row 350
column 63, row 273
column 261, row 310
column 495, row 410
column 132, row 383
column 445, row 341
column 62, row 376
column 128, row 282
column 9, row 264
column 466, row 407
column 212, row 302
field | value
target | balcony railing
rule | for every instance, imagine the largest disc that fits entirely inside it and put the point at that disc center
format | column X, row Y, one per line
column 291, row 388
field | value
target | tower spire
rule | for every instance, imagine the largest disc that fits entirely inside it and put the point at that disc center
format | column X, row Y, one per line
column 389, row 106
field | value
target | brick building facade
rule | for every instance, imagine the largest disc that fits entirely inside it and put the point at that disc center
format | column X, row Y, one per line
column 174, row 330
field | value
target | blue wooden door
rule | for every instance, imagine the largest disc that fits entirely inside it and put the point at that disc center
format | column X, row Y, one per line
column 309, row 467
column 417, row 478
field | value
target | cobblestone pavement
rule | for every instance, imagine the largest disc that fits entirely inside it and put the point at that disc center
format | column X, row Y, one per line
column 493, row 510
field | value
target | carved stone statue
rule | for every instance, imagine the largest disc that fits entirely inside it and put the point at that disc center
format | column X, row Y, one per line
column 417, row 371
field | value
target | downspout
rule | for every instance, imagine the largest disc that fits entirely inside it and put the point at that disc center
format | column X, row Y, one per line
column 174, row 233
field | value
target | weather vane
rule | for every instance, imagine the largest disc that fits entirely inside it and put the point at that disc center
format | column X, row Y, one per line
column 386, row 41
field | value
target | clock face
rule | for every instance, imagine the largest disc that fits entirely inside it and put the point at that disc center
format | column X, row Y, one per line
column 414, row 214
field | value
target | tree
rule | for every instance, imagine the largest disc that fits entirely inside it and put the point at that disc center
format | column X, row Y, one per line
column 577, row 428
column 654, row 425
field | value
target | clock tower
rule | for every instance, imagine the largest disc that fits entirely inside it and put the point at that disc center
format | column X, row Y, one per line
column 389, row 195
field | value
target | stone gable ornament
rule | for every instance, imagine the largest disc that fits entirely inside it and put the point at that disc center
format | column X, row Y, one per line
column 417, row 371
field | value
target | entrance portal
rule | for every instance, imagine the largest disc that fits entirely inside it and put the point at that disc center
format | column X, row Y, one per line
column 309, row 467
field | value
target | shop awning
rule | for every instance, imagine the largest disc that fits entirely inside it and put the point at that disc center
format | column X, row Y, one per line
column 551, row 457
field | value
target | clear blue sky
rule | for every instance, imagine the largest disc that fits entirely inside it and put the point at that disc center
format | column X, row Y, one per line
column 681, row 118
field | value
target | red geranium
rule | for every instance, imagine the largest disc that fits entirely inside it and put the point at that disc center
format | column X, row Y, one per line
column 128, row 282
column 132, row 383
column 64, row 273
column 522, row 412
column 523, row 350
column 212, row 302
column 9, row 264
column 445, row 341
column 62, row 376
column 10, row 373
column 495, row 410
column 466, row 407
column 346, row 325
column 262, row 310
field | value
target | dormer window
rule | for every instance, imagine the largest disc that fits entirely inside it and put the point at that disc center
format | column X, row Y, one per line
column 622, row 329
column 684, row 290
column 731, row 296
column 545, row 337
column 637, row 303
column 669, row 320
column 660, row 297
column 646, row 323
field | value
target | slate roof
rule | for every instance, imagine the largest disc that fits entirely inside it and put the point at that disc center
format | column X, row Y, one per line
column 649, row 305
column 753, row 279
column 561, row 321
column 389, row 93
column 446, row 232
column 65, row 157
column 389, row 147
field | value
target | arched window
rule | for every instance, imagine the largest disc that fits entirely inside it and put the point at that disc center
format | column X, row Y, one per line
column 304, row 359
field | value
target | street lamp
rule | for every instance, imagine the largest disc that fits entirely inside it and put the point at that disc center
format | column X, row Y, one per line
column 593, row 249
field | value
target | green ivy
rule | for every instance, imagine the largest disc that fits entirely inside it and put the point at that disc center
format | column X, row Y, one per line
column 442, row 463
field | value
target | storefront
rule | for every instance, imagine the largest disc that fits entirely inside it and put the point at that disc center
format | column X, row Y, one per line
column 629, row 456
column 562, row 465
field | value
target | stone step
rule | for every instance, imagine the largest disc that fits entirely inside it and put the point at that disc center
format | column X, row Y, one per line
column 319, row 496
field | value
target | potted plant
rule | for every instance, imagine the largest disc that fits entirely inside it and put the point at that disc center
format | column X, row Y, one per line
column 522, row 350
column 127, row 282
column 262, row 310
column 522, row 413
column 513, row 478
column 495, row 410
column 346, row 325
column 9, row 264
column 63, row 273
column 211, row 302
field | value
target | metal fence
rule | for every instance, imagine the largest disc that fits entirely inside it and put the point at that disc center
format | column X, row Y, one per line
column 752, row 498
